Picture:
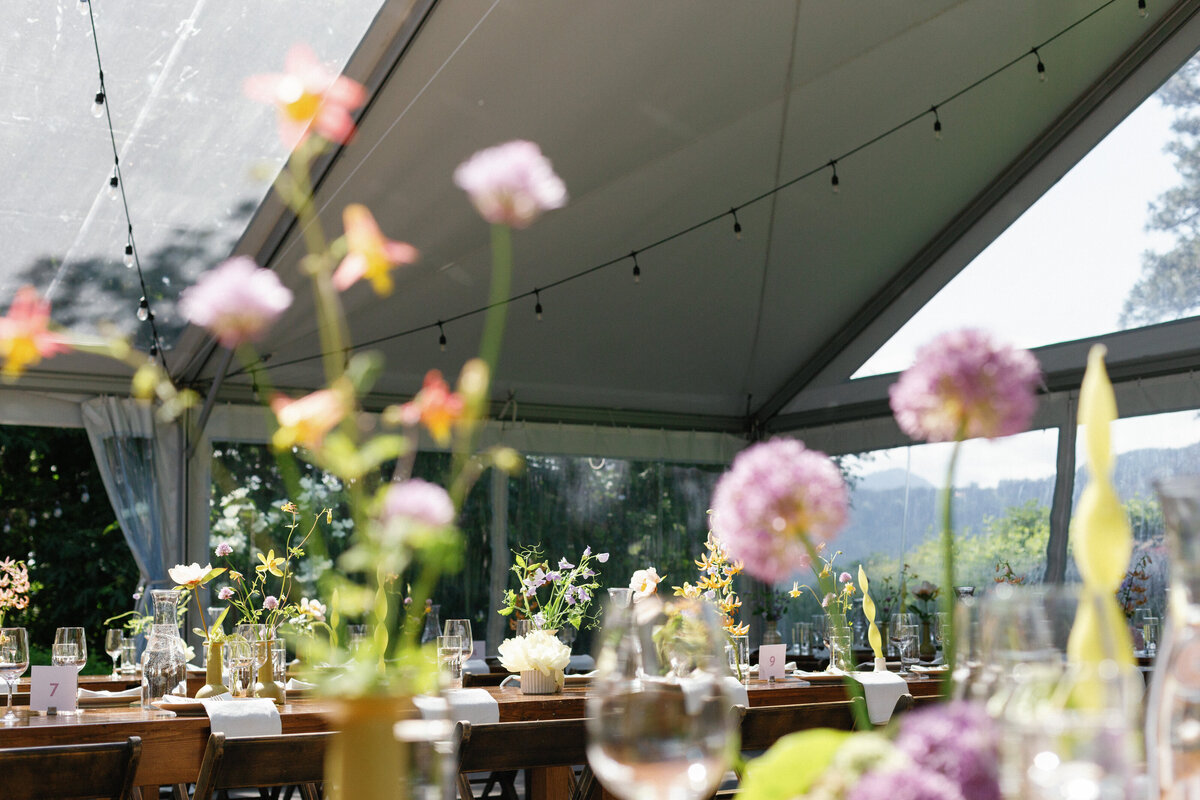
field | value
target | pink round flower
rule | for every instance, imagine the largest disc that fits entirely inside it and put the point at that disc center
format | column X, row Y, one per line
column 225, row 593
column 511, row 183
column 776, row 495
column 419, row 501
column 964, row 385
column 224, row 549
column 845, row 577
column 270, row 602
column 236, row 302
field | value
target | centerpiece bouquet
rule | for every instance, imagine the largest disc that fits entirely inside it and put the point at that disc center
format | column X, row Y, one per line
column 837, row 601
column 717, row 572
column 553, row 600
column 14, row 587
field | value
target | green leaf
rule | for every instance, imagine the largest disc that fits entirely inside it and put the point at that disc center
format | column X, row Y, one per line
column 212, row 573
column 789, row 768
column 504, row 612
column 518, row 560
column 200, row 632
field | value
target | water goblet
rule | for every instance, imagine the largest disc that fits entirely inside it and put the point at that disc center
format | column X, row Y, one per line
column 449, row 650
column 74, row 636
column 462, row 629
column 1150, row 628
column 113, row 639
column 658, row 718
column 14, row 660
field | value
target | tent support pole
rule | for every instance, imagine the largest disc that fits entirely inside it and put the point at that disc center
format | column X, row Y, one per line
column 209, row 401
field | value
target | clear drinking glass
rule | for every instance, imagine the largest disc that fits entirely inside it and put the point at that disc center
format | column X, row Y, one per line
column 357, row 633
column 129, row 656
column 449, row 650
column 818, row 629
column 14, row 660
column 524, row 626
column 737, row 651
column 241, row 666
column 462, row 629
column 113, row 638
column 1150, row 629
column 802, row 636
column 66, row 654
column 659, row 725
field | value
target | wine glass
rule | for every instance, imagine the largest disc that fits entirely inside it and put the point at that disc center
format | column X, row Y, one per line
column 462, row 629
column 255, row 635
column 113, row 638
column 659, row 723
column 241, row 665
column 902, row 634
column 14, row 660
column 76, row 637
column 449, row 651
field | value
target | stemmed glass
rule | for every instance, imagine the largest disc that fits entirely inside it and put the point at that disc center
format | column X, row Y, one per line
column 462, row 629
column 659, row 724
column 903, row 634
column 241, row 666
column 113, row 639
column 255, row 635
column 14, row 660
column 76, row 637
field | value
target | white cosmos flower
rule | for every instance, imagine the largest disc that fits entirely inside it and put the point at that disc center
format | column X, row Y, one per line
column 189, row 575
column 644, row 583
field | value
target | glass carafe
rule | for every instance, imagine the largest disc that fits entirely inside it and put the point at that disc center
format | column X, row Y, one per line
column 1173, row 710
column 433, row 625
column 164, row 665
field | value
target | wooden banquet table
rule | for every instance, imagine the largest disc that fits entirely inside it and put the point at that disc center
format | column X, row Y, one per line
column 172, row 746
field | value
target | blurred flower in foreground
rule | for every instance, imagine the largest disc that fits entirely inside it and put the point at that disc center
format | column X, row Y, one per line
column 236, row 302
column 25, row 335
column 511, row 183
column 777, row 499
column 418, row 501
column 305, row 421
column 964, row 385
column 308, row 95
column 435, row 406
column 371, row 255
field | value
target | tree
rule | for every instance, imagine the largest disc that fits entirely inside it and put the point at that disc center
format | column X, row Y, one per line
column 1169, row 286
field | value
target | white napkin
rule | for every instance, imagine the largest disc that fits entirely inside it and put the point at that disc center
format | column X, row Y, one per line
column 195, row 669
column 476, row 666
column 296, row 685
column 476, row 706
column 251, row 716
column 882, row 690
column 133, row 694
column 694, row 690
column 581, row 664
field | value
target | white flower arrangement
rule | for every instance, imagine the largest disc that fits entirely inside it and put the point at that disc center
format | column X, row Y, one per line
column 537, row 650
column 644, row 583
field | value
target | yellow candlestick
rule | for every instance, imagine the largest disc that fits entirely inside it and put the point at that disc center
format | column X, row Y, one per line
column 868, row 607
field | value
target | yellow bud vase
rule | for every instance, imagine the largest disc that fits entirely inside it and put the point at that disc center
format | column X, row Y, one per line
column 364, row 761
column 267, row 686
column 213, row 675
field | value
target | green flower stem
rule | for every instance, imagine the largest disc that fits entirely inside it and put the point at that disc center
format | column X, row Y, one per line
column 854, row 690
column 493, row 325
column 947, row 602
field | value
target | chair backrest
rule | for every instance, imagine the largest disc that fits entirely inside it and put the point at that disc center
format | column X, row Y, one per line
column 262, row 761
column 764, row 725
column 70, row 772
column 523, row 745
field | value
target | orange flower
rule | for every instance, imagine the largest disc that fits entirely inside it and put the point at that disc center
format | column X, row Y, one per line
column 435, row 406
column 309, row 96
column 25, row 336
column 305, row 421
column 371, row 254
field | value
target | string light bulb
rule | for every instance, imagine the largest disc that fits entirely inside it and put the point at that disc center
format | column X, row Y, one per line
column 441, row 336
column 154, row 349
column 1142, row 12
column 937, row 124
column 834, row 182
column 128, row 256
column 84, row 7
column 537, row 309
column 637, row 270
column 143, row 312
column 114, row 186
column 1041, row 68
column 737, row 226
column 98, row 104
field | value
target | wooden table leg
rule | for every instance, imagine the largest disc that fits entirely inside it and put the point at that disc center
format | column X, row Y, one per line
column 548, row 783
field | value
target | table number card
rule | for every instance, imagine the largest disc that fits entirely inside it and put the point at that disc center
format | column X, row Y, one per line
column 770, row 661
column 52, row 687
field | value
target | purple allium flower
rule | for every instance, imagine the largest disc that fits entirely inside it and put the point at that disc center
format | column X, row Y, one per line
column 775, row 495
column 419, row 501
column 224, row 549
column 964, row 385
column 236, row 301
column 910, row 783
column 225, row 593
column 602, row 557
column 955, row 740
column 845, row 577
column 270, row 602
column 511, row 183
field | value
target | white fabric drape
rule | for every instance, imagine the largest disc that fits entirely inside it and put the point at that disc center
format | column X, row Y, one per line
column 140, row 462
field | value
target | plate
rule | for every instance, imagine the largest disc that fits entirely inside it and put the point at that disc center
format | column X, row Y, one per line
column 191, row 708
column 924, row 668
column 106, row 702
column 819, row 677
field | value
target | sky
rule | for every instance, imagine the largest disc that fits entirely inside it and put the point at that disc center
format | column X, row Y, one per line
column 1060, row 272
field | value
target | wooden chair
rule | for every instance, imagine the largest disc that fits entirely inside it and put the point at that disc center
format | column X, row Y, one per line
column 295, row 759
column 70, row 772
column 504, row 747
